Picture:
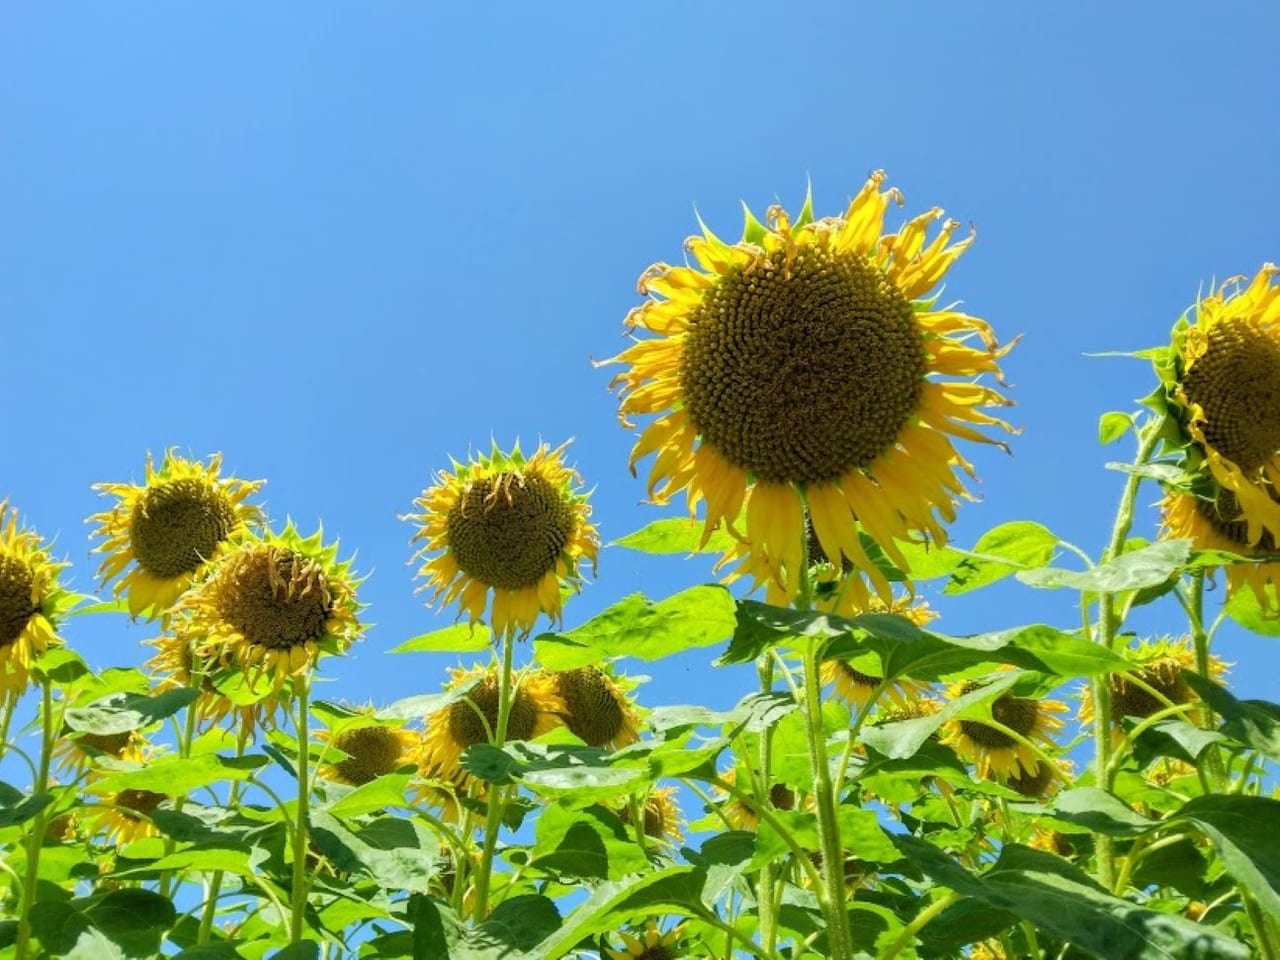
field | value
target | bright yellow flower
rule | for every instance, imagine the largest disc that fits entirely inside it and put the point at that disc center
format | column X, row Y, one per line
column 806, row 364
column 74, row 752
column 506, row 525
column 742, row 816
column 597, row 710
column 272, row 605
column 997, row 755
column 128, row 817
column 1227, row 372
column 169, row 528
column 473, row 719
column 372, row 750
column 650, row 944
column 1219, row 524
column 29, row 601
column 178, row 663
column 1043, row 781
column 854, row 687
column 1156, row 685
column 661, row 815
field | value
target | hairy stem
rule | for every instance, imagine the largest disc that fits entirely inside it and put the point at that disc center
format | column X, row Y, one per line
column 493, row 818
column 768, row 874
column 36, row 840
column 300, row 833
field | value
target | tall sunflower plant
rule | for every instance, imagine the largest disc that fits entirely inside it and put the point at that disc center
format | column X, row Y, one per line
column 884, row 788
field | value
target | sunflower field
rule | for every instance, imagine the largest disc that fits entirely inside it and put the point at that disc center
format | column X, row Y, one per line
column 802, row 400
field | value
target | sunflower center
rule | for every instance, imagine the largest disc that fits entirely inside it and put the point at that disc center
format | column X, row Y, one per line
column 112, row 744
column 1237, row 384
column 856, row 677
column 178, row 525
column 371, row 752
column 274, row 597
column 656, row 952
column 140, row 801
column 509, row 530
column 800, row 372
column 1224, row 514
column 467, row 729
column 16, row 608
column 1164, row 676
column 1032, row 784
column 594, row 714
column 1017, row 713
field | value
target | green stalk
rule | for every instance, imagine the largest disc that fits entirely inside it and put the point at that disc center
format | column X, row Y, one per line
column 184, row 750
column 1106, row 634
column 300, row 877
column 768, row 877
column 10, row 702
column 919, row 923
column 36, row 839
column 493, row 818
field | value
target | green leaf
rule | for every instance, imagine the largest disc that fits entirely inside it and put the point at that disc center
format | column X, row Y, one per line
column 903, row 738
column 1173, row 737
column 1244, row 609
column 12, row 814
column 675, row 535
column 302, row 950
column 395, row 853
column 928, row 561
column 637, row 627
column 386, row 791
column 203, row 857
column 128, row 711
column 585, row 773
column 459, row 638
column 209, row 951
column 61, row 665
column 1019, row 545
column 1112, row 426
column 1243, row 831
column 591, row 844
column 761, row 626
column 1145, row 567
column 123, row 923
column 515, row 927
column 434, row 927
column 178, row 776
column 1252, row 722
column 1100, row 812
column 1064, row 901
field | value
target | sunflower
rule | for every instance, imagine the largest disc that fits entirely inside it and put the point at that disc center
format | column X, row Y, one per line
column 742, row 816
column 128, row 816
column 997, row 755
column 516, row 526
column 597, row 710
column 372, row 749
column 170, row 528
column 30, row 600
column 805, row 365
column 472, row 718
column 1227, row 394
column 1157, row 683
column 74, row 752
column 183, row 660
column 271, row 605
column 1219, row 524
column 854, row 687
column 648, row 944
column 661, row 815
column 1041, row 782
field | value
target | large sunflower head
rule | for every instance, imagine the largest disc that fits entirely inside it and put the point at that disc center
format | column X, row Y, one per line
column 597, row 709
column 808, row 363
column 1217, row 521
column 271, row 606
column 1155, row 685
column 1223, row 378
column 514, row 526
column 158, row 536
column 471, row 717
column 996, row 754
column 649, row 943
column 30, row 600
column 372, row 749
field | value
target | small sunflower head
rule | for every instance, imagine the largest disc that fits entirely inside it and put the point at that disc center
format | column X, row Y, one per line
column 74, row 752
column 597, row 710
column 1042, row 781
column 661, row 815
column 506, row 525
column 30, row 599
column 127, row 817
column 158, row 537
column 855, row 687
column 1218, row 521
column 372, row 750
column 807, row 364
column 742, row 816
column 648, row 943
column 471, row 718
column 1156, row 684
column 1004, row 751
column 272, row 605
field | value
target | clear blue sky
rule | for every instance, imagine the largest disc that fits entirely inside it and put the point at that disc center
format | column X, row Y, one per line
column 339, row 242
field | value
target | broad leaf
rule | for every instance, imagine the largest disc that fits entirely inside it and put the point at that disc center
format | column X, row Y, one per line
column 1145, row 567
column 458, row 638
column 1006, row 549
column 128, row 711
column 675, row 535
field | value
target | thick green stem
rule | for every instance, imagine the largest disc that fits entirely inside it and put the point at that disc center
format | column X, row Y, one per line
column 1108, row 624
column 300, row 833
column 6, row 718
column 828, row 826
column 36, row 840
column 184, row 751
column 768, row 873
column 493, row 818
